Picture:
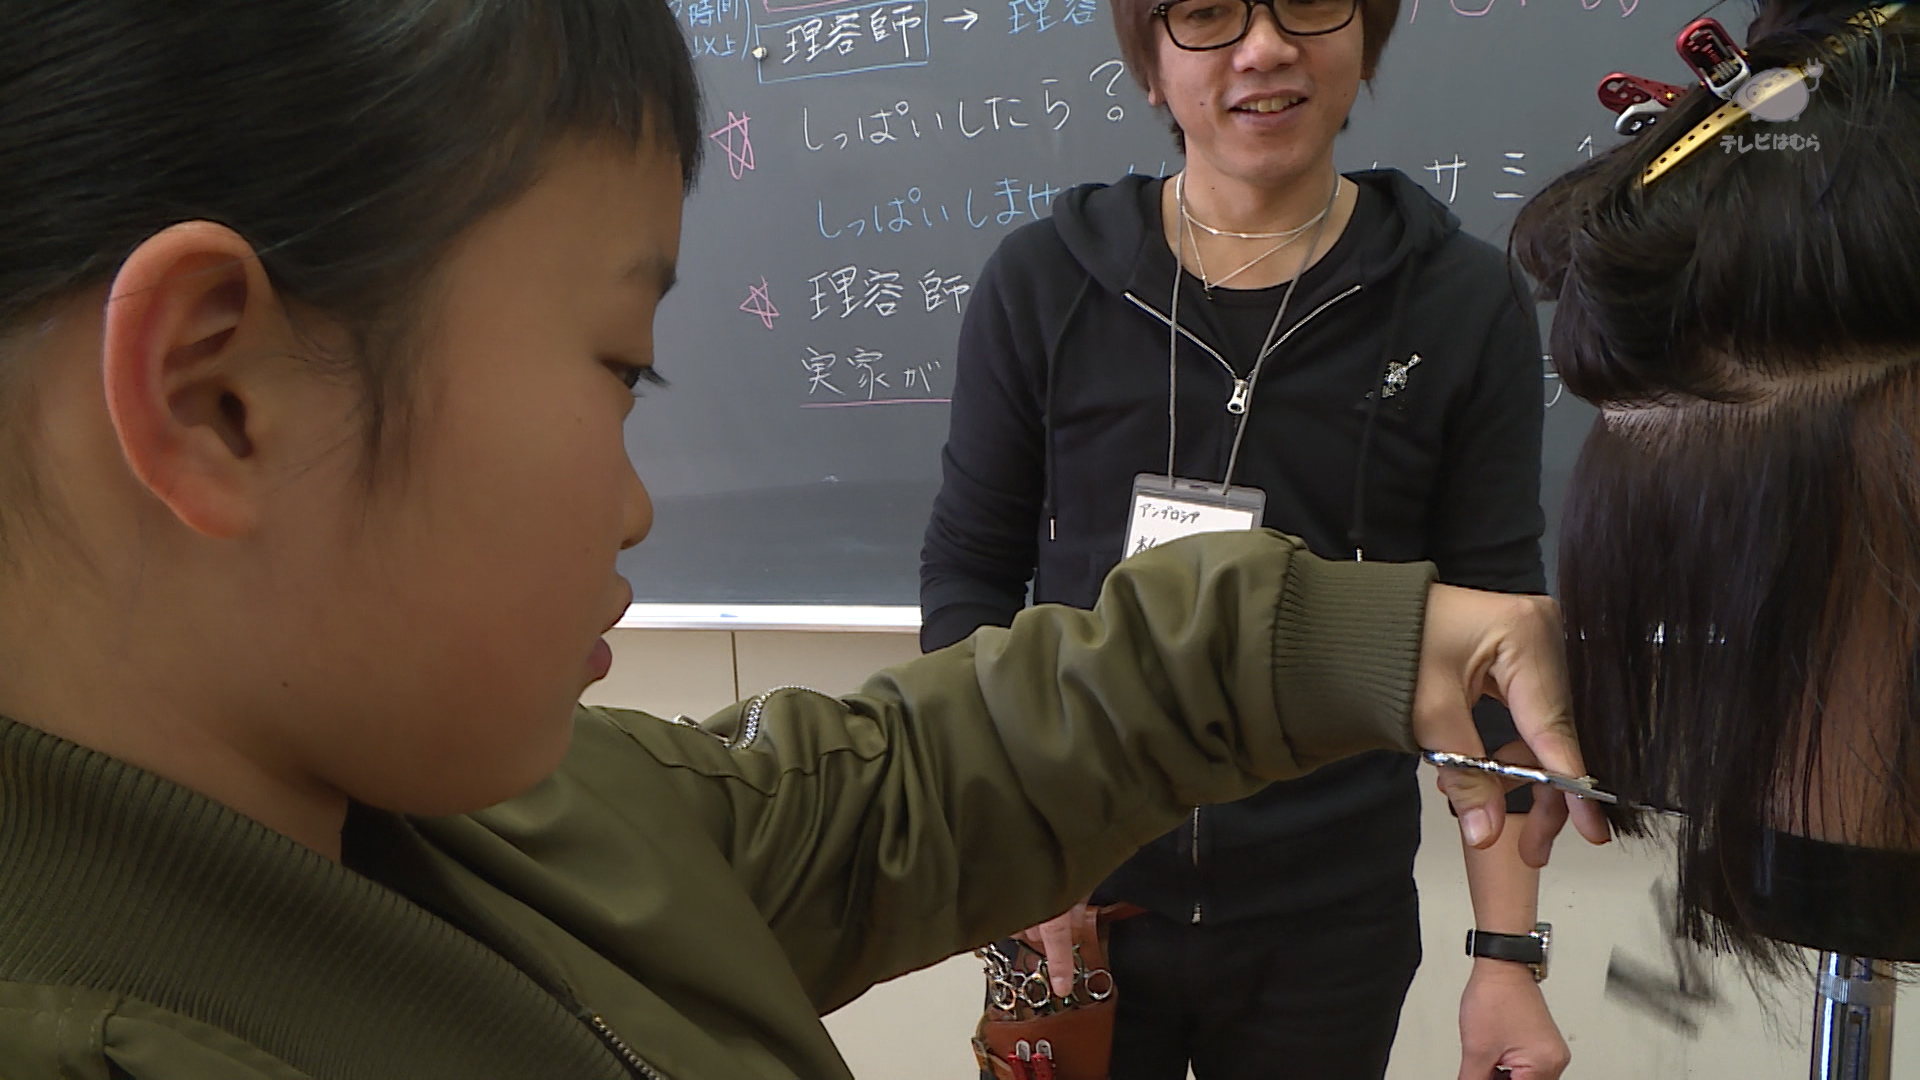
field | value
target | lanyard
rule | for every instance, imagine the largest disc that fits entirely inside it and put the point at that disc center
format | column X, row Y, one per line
column 1243, row 389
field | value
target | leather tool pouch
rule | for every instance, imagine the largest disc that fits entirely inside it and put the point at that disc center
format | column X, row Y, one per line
column 1025, row 1032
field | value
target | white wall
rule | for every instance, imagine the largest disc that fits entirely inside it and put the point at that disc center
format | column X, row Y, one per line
column 917, row 1027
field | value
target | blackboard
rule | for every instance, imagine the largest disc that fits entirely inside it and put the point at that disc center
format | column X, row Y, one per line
column 865, row 159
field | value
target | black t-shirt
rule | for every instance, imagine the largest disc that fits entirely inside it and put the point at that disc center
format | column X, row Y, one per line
column 1245, row 316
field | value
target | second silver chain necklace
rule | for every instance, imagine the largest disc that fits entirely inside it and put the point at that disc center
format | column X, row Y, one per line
column 1189, row 223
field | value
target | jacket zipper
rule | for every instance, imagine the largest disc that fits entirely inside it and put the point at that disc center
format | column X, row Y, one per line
column 1242, row 387
column 1196, row 864
column 749, row 723
column 756, row 711
column 633, row 1062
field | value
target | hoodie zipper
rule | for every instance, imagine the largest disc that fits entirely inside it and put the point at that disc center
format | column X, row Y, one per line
column 1242, row 387
column 1237, row 405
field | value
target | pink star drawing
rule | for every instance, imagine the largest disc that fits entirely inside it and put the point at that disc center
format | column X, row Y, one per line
column 737, row 142
column 759, row 304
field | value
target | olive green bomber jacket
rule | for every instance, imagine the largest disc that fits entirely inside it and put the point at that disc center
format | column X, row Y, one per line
column 685, row 901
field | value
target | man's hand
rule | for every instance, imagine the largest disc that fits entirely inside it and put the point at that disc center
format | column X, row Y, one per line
column 1054, row 939
column 1480, row 644
column 1504, row 1024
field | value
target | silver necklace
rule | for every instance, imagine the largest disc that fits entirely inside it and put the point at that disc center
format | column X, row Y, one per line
column 1180, row 189
column 1290, row 236
column 1207, row 284
column 1243, row 388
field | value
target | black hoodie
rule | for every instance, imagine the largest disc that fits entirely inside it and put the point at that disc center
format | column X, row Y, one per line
column 1060, row 401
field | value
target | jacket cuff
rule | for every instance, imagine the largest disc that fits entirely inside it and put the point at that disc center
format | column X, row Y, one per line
column 1346, row 649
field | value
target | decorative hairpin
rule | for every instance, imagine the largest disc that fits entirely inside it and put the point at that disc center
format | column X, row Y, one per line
column 1722, row 68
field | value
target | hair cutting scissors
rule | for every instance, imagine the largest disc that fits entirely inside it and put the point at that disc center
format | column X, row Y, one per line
column 1585, row 787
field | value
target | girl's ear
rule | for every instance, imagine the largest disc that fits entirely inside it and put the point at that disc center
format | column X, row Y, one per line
column 191, row 324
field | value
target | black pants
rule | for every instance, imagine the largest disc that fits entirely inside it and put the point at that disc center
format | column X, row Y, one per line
column 1314, row 998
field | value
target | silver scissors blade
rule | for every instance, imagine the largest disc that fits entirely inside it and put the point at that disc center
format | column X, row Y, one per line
column 1583, row 786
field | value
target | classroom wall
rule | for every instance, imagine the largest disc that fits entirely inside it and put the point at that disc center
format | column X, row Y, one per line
column 1599, row 900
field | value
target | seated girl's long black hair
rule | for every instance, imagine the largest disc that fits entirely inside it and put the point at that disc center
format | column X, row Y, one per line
column 1740, row 553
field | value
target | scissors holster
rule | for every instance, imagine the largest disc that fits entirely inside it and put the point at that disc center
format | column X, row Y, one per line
column 1077, row 1032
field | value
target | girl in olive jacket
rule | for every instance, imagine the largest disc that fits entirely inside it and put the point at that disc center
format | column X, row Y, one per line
column 319, row 322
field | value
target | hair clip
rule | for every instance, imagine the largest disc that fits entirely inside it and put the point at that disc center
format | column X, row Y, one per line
column 1871, row 19
column 1638, row 101
column 1722, row 68
column 1710, row 51
column 1721, row 119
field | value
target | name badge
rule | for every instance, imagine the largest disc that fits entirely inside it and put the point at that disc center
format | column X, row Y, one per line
column 1166, row 509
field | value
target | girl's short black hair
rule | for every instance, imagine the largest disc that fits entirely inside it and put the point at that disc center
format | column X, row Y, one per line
column 1740, row 555
column 349, row 141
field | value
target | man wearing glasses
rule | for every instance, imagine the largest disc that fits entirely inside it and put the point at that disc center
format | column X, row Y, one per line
column 1324, row 355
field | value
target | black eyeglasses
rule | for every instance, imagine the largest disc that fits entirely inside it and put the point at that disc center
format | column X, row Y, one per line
column 1199, row 25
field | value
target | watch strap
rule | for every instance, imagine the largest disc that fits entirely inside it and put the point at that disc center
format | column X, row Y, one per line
column 1519, row 948
column 1529, row 949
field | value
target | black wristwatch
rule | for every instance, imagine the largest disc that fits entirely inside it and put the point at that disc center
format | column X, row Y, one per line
column 1529, row 949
